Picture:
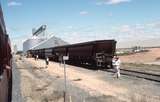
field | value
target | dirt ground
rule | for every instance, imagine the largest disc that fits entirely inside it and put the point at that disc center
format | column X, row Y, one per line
column 144, row 61
column 32, row 82
column 150, row 57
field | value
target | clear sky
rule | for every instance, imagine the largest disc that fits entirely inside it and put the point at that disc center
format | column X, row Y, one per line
column 83, row 20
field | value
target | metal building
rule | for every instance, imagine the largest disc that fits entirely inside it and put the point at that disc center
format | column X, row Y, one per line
column 40, row 40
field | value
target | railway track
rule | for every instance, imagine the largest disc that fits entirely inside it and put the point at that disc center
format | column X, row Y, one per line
column 138, row 74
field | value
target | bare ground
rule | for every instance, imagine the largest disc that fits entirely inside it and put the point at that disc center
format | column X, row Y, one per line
column 34, row 83
column 150, row 57
column 144, row 61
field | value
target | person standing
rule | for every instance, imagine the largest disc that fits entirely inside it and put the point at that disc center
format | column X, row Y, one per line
column 47, row 62
column 116, row 65
column 37, row 57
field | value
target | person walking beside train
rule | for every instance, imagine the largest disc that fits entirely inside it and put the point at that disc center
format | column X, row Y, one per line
column 34, row 57
column 116, row 65
column 37, row 57
column 47, row 62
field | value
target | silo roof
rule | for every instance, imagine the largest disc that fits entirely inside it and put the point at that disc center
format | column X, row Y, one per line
column 51, row 42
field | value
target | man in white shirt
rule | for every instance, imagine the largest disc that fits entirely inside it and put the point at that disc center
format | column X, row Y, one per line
column 116, row 65
column 37, row 57
column 47, row 62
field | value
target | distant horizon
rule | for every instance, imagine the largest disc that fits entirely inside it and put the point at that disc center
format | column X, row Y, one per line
column 130, row 44
column 154, row 42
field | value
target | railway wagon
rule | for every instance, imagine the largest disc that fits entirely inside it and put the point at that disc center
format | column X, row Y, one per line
column 5, row 63
column 34, row 53
column 95, row 53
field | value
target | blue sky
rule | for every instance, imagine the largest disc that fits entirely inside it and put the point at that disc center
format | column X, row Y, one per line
column 83, row 20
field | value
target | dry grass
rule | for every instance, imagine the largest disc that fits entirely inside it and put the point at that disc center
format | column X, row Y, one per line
column 149, row 68
column 145, row 57
column 143, row 98
column 158, row 58
column 139, row 65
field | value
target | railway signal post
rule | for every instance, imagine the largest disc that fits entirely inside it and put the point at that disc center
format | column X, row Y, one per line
column 65, row 86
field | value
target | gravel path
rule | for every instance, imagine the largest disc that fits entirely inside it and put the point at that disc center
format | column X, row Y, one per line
column 16, row 93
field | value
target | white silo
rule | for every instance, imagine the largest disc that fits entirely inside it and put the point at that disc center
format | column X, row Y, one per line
column 31, row 42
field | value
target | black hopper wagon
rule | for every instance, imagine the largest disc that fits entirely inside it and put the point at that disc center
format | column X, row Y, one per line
column 5, row 63
column 97, row 53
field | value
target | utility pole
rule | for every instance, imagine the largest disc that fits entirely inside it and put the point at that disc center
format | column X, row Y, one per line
column 65, row 85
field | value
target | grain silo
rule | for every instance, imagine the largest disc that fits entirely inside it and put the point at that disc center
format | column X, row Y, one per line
column 37, row 37
column 31, row 42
